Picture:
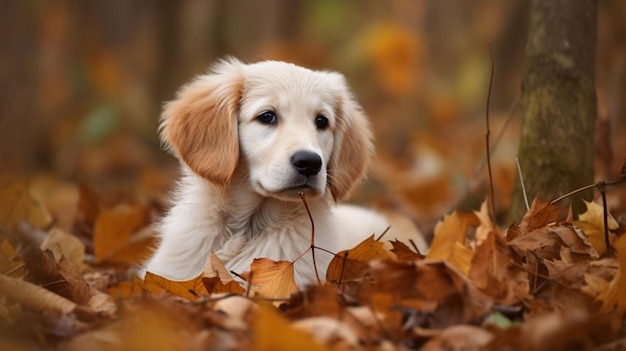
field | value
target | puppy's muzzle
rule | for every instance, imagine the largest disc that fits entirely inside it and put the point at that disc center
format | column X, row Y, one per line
column 306, row 163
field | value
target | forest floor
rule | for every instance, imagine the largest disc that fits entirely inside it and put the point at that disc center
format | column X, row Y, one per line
column 546, row 282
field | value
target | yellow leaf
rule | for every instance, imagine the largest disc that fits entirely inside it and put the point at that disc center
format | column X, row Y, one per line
column 190, row 289
column 18, row 205
column 592, row 223
column 449, row 241
column 273, row 279
column 274, row 333
column 615, row 295
column 355, row 264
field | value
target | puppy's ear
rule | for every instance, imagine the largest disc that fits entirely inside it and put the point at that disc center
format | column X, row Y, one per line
column 353, row 145
column 200, row 125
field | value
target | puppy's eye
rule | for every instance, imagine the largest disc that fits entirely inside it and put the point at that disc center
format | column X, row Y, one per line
column 321, row 122
column 267, row 117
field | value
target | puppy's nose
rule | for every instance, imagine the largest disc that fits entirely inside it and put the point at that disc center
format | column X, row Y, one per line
column 306, row 163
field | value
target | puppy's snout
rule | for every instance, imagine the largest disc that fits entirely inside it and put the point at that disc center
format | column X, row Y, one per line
column 306, row 163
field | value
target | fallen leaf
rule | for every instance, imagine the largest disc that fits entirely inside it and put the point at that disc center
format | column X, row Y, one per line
column 351, row 265
column 117, row 235
column 539, row 215
column 18, row 205
column 217, row 279
column 62, row 244
column 189, row 289
column 274, row 333
column 592, row 224
column 615, row 295
column 403, row 252
column 148, row 325
column 449, row 240
column 34, row 296
column 126, row 289
column 272, row 279
column 61, row 278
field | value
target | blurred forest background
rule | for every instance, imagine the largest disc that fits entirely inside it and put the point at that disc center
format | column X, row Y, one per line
column 83, row 83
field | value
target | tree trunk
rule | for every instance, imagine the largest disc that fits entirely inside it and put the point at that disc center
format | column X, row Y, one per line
column 558, row 102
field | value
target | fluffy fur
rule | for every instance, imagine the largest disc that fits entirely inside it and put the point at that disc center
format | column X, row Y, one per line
column 238, row 195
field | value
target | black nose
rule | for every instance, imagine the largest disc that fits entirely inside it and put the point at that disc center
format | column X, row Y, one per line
column 306, row 163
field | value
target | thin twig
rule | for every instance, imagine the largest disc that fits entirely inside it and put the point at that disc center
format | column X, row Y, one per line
column 493, row 205
column 601, row 185
column 383, row 233
column 571, row 193
column 312, row 247
column 602, row 189
column 521, row 180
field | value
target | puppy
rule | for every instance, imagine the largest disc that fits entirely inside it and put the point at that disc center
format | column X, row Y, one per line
column 251, row 138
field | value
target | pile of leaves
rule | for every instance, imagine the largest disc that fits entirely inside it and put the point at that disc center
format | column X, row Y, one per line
column 547, row 283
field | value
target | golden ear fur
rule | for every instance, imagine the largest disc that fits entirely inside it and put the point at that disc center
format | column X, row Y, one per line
column 353, row 146
column 200, row 125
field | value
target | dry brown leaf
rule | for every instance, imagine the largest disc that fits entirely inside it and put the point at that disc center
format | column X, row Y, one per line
column 34, row 296
column 546, row 242
column 403, row 252
column 540, row 215
column 274, row 333
column 18, row 205
column 493, row 273
column 113, row 234
column 449, row 240
column 61, row 244
column 592, row 223
column 351, row 265
column 217, row 279
column 61, row 278
column 272, row 279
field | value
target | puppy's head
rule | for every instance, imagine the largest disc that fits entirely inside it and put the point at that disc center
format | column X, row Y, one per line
column 297, row 130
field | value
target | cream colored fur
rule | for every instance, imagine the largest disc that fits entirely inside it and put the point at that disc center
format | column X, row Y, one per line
column 238, row 195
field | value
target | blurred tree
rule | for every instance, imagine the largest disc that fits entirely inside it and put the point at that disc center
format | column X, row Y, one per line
column 558, row 101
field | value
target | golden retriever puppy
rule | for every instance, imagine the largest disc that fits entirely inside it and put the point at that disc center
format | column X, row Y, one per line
column 251, row 138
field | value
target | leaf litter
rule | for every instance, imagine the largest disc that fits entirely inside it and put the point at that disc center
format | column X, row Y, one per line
column 546, row 283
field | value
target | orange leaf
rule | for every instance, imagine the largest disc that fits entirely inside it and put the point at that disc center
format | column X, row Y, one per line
column 274, row 333
column 449, row 240
column 273, row 279
column 190, row 289
column 127, row 289
column 351, row 265
column 403, row 252
column 113, row 231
